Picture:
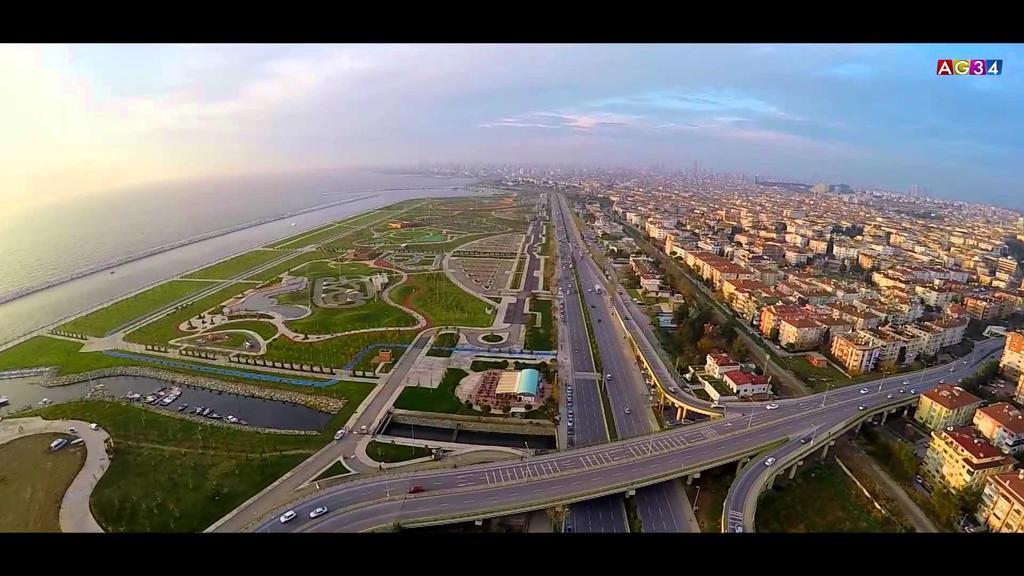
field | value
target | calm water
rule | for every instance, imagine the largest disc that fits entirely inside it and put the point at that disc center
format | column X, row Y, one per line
column 472, row 437
column 26, row 392
column 90, row 231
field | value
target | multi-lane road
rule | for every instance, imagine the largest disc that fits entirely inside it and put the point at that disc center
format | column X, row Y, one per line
column 602, row 472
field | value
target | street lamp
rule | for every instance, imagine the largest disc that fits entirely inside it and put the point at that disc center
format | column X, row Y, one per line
column 696, row 500
column 825, row 397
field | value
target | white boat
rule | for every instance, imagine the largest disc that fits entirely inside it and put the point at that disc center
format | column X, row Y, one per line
column 4, row 400
column 44, row 401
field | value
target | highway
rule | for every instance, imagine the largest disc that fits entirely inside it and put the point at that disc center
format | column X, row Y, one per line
column 538, row 482
column 662, row 507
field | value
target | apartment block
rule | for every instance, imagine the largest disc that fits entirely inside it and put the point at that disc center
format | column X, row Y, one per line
column 961, row 458
column 945, row 406
column 1003, row 424
column 1002, row 503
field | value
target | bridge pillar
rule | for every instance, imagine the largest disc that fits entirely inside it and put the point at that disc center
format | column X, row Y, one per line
column 824, row 451
column 630, row 493
column 884, row 414
column 771, row 482
column 478, row 522
column 792, row 470
column 906, row 410
column 691, row 477
column 740, row 464
column 857, row 429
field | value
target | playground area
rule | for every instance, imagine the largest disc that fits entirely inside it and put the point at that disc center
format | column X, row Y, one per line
column 483, row 275
column 345, row 292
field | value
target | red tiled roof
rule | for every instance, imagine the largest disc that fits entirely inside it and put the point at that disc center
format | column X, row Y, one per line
column 741, row 378
column 972, row 442
column 1006, row 415
column 951, row 397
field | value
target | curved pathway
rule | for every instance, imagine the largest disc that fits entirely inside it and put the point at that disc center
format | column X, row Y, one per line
column 75, row 514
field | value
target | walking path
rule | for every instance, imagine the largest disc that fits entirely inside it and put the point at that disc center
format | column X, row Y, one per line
column 75, row 514
column 920, row 520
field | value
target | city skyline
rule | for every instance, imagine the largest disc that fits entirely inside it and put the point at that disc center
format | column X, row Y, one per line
column 86, row 118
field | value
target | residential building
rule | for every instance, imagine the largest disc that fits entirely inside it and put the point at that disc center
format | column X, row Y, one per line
column 856, row 351
column 1002, row 503
column 744, row 384
column 800, row 333
column 1011, row 365
column 945, row 406
column 961, row 458
column 719, row 364
column 1003, row 424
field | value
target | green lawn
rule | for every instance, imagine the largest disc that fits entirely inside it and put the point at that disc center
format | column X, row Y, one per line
column 391, row 453
column 104, row 320
column 819, row 378
column 294, row 237
column 441, row 399
column 492, row 338
column 441, row 247
column 297, row 260
column 266, row 330
column 234, row 266
column 33, row 481
column 232, row 341
column 333, row 351
column 714, row 486
column 45, row 351
column 443, row 302
column 838, row 505
column 336, row 469
column 517, row 276
column 372, row 314
column 542, row 337
column 444, row 340
column 165, row 329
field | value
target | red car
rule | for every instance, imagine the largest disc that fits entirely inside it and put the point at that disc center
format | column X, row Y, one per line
column 416, row 489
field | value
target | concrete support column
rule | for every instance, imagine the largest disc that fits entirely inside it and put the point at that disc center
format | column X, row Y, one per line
column 691, row 477
column 824, row 451
column 857, row 429
column 906, row 410
column 884, row 414
column 740, row 464
column 771, row 483
column 680, row 412
column 792, row 470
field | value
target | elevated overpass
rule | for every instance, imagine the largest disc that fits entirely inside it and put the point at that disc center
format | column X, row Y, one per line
column 739, row 511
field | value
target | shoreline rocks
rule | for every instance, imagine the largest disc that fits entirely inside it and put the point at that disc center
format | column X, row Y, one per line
column 319, row 403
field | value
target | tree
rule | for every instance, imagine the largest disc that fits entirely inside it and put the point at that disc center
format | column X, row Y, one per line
column 738, row 350
column 945, row 504
column 706, row 344
column 903, row 459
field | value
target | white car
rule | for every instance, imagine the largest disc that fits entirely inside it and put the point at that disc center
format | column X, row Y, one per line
column 862, row 407
column 287, row 517
column 906, row 382
column 889, row 396
column 94, row 426
column 771, row 407
column 863, row 390
column 627, row 410
column 316, row 513
column 769, row 461
column 339, row 434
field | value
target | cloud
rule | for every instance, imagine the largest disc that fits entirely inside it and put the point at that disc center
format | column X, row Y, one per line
column 704, row 101
column 561, row 119
column 852, row 70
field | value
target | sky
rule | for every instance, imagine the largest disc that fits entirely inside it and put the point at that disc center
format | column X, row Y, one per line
column 81, row 119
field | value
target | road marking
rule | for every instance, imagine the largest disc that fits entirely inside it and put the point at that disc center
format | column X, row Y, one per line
column 466, row 484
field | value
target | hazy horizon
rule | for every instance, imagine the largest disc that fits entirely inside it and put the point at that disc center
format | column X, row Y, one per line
column 82, row 119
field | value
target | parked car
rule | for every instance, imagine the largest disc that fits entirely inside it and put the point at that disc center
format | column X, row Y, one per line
column 94, row 426
column 287, row 516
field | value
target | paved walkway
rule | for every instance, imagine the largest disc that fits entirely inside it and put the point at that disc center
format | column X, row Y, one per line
column 75, row 514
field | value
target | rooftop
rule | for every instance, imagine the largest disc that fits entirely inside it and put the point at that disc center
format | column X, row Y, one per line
column 951, row 397
column 1005, row 414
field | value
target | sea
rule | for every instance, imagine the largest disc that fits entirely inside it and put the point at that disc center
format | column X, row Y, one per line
column 84, row 252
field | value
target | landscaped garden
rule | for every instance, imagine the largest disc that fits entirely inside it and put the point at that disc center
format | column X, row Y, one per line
column 163, row 330
column 111, row 317
column 540, row 337
column 442, row 301
column 440, row 399
column 443, row 344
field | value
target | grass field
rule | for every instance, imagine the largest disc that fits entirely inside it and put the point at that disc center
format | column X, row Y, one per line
column 232, row 341
column 165, row 329
column 440, row 399
column 45, row 351
column 234, row 266
column 818, row 378
column 444, row 340
column 441, row 247
column 33, row 481
column 336, row 469
column 542, row 337
column 839, row 506
column 266, row 330
column 294, row 237
column 334, row 351
column 517, row 277
column 714, row 486
column 174, row 475
column 443, row 302
column 299, row 259
column 104, row 320
column 372, row 314
column 391, row 453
